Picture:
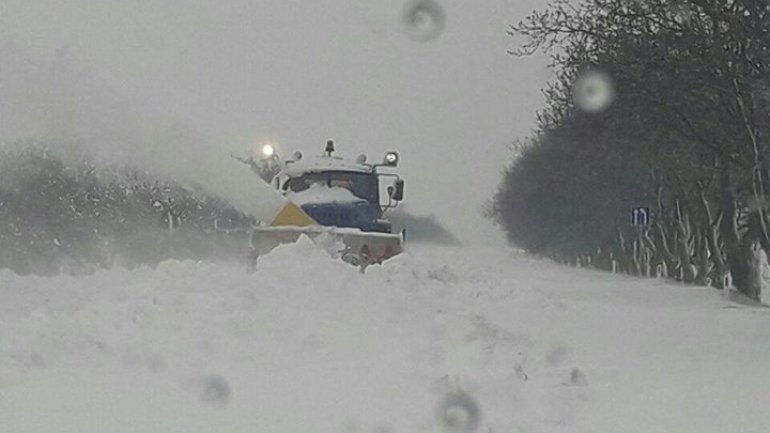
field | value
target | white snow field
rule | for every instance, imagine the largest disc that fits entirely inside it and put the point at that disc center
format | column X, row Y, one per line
column 307, row 344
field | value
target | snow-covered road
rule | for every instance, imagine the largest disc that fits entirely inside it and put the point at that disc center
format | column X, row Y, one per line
column 310, row 345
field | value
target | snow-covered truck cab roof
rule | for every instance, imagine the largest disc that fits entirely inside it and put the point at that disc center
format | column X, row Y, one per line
column 323, row 163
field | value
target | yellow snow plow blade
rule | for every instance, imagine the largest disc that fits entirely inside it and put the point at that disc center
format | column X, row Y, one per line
column 292, row 215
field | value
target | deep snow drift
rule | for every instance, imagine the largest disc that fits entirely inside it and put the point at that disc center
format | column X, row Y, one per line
column 306, row 344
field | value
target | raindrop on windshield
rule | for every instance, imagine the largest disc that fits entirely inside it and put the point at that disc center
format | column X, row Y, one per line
column 458, row 412
column 593, row 91
column 424, row 20
column 216, row 391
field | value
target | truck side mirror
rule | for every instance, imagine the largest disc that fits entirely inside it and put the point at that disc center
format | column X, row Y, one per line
column 397, row 191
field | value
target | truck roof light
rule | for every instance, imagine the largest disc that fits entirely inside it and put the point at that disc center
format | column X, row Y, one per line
column 391, row 159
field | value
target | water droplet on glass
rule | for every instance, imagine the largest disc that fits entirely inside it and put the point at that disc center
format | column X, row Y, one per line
column 424, row 20
column 216, row 391
column 458, row 413
column 593, row 91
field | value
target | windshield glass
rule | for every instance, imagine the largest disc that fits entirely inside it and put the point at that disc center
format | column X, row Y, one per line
column 362, row 185
column 385, row 216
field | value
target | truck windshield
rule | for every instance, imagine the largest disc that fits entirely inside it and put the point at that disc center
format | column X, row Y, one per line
column 362, row 185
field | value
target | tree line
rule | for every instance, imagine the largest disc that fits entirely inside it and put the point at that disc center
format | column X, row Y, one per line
column 684, row 133
column 60, row 212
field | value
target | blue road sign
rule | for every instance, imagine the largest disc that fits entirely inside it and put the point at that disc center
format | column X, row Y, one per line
column 640, row 216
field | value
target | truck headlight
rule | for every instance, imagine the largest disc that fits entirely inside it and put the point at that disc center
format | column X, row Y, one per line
column 268, row 151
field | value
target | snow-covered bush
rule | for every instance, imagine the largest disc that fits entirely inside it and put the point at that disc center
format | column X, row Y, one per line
column 60, row 213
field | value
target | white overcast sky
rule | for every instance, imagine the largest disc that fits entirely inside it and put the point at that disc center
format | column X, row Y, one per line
column 299, row 72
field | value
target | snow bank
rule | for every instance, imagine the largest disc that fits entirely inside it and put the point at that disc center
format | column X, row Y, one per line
column 434, row 339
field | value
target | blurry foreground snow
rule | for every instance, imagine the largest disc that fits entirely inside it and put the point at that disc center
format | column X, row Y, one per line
column 437, row 339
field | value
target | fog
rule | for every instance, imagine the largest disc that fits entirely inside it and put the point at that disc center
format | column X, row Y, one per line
column 179, row 85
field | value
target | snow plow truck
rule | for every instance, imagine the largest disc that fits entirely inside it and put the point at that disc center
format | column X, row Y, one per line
column 338, row 203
